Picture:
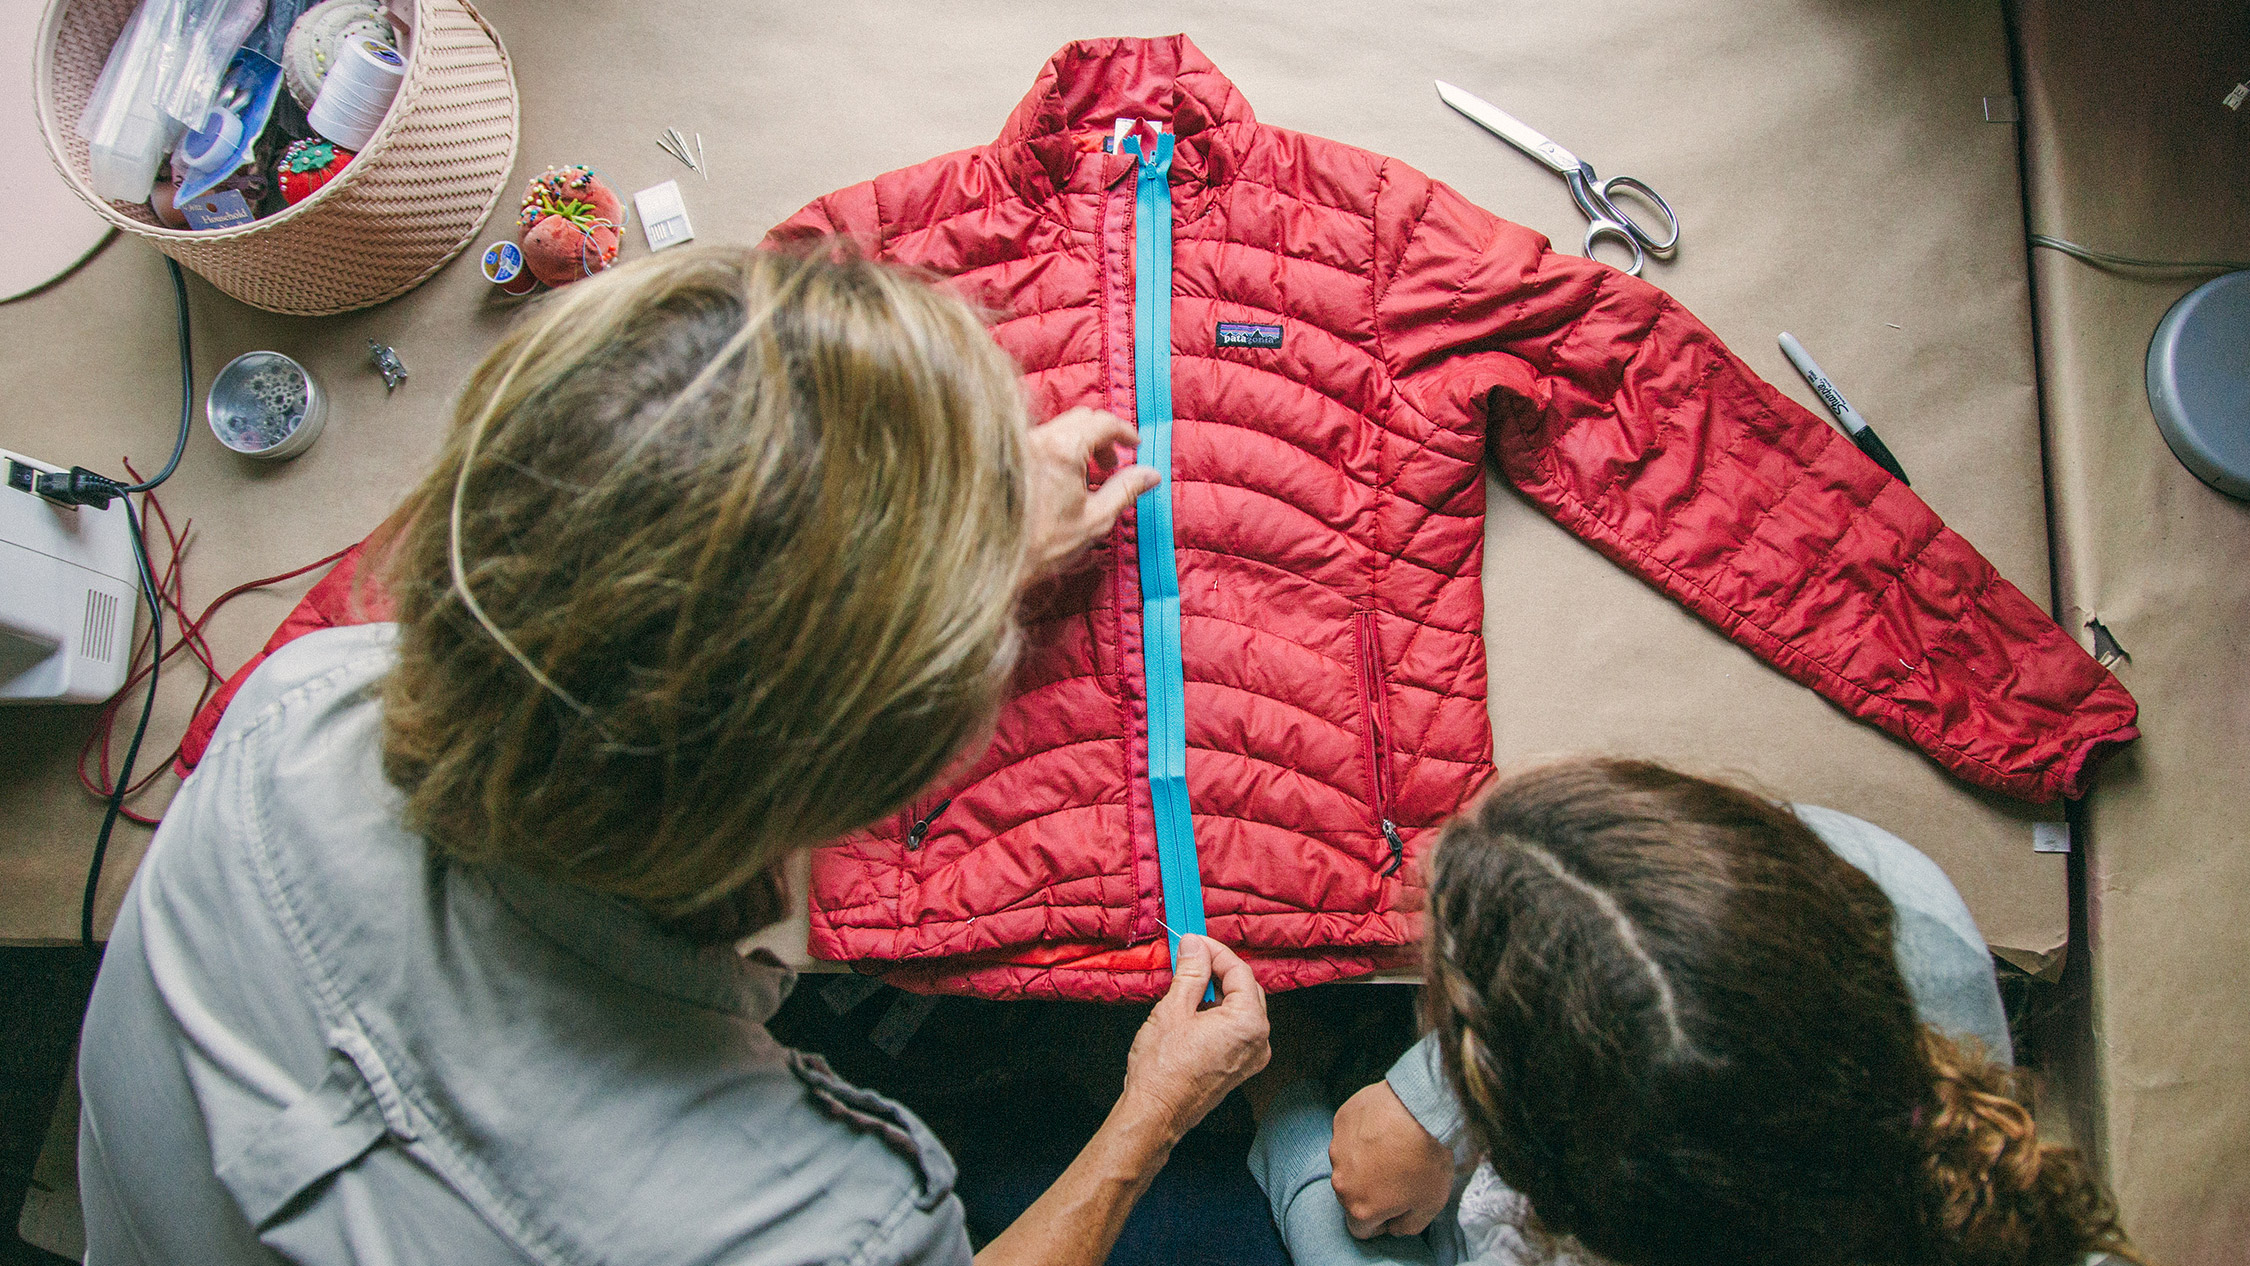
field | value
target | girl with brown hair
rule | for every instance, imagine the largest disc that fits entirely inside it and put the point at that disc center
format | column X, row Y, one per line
column 431, row 959
column 1674, row 1023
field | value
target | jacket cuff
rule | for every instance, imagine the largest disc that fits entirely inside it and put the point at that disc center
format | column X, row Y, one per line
column 2078, row 770
column 1418, row 1079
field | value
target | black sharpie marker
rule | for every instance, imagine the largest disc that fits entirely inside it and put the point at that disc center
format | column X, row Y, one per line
column 1854, row 425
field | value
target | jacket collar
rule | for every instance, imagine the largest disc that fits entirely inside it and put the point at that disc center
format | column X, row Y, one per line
column 1090, row 84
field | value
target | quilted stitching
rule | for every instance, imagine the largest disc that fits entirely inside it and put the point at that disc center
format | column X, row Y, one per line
column 1423, row 336
column 1396, row 288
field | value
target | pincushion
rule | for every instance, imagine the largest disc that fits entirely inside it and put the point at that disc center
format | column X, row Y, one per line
column 571, row 224
column 307, row 165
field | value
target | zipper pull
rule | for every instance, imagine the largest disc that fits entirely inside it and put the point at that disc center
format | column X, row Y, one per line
column 1398, row 848
column 921, row 827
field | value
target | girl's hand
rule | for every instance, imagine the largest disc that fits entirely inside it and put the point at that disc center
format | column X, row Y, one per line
column 1067, row 516
column 1391, row 1177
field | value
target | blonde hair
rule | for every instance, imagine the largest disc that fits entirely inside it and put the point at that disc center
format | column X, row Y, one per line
column 719, row 561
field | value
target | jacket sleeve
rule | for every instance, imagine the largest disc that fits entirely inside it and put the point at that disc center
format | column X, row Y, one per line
column 1627, row 421
column 849, row 212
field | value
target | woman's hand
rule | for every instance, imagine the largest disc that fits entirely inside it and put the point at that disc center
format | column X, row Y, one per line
column 1184, row 1060
column 1187, row 1057
column 1066, row 516
column 1391, row 1177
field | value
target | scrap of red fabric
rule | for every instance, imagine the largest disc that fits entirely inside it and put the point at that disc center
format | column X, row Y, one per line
column 1329, row 503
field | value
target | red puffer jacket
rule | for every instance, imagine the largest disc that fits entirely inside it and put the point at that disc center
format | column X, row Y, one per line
column 1348, row 341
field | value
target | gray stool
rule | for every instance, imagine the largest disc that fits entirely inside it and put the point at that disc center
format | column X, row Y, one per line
column 2199, row 382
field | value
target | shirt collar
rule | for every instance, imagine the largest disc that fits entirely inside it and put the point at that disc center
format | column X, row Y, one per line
column 623, row 941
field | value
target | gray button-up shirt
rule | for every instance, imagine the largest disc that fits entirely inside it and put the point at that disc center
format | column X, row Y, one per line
column 313, row 1040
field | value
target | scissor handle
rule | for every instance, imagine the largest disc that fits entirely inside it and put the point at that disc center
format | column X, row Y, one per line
column 1653, row 198
column 1600, row 229
column 1609, row 220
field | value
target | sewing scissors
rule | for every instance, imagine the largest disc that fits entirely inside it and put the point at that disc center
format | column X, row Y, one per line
column 1594, row 199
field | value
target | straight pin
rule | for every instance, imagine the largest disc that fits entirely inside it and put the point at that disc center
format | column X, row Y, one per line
column 1210, row 991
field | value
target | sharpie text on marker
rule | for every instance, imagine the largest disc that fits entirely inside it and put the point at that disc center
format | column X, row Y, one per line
column 1854, row 425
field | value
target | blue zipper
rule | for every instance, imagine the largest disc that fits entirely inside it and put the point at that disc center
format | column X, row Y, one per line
column 1159, row 562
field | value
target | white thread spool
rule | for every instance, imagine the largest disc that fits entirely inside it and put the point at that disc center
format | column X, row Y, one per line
column 357, row 93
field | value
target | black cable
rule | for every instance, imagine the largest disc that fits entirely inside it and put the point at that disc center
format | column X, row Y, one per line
column 187, row 384
column 140, row 730
column 155, row 598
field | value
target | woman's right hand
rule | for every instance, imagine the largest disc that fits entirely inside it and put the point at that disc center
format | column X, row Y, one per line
column 1188, row 1057
column 1184, row 1060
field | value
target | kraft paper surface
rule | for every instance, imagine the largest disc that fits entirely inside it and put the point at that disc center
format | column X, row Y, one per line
column 1830, row 162
column 2131, row 150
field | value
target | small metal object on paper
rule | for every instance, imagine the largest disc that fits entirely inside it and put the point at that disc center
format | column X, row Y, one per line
column 2050, row 837
column 663, row 215
column 675, row 144
column 386, row 363
column 2000, row 110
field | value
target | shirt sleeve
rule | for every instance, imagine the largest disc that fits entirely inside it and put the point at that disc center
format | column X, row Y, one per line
column 1628, row 422
column 1418, row 1079
column 1289, row 1159
column 1947, row 966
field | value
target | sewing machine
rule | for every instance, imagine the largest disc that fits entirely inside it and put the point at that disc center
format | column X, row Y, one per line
column 68, row 595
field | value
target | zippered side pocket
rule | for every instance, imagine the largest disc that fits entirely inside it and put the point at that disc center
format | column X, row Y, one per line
column 1374, row 703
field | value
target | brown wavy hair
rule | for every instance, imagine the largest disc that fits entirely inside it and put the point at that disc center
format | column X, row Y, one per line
column 1677, row 1026
column 720, row 561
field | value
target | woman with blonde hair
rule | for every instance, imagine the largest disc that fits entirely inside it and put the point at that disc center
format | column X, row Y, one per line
column 1674, row 1023
column 432, row 960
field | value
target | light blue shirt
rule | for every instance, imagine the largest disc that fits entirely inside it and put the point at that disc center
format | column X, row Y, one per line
column 1941, row 954
column 314, row 1040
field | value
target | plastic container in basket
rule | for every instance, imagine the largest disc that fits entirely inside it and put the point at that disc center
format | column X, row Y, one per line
column 411, row 200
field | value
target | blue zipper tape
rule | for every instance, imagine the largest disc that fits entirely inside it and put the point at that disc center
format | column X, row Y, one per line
column 1159, row 563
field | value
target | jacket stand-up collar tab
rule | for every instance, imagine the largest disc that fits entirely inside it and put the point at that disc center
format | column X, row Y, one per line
column 1090, row 84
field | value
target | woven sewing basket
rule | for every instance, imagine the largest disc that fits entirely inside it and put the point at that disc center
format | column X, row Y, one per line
column 416, row 194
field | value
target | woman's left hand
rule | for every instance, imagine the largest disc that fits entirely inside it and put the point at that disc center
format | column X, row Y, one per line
column 1067, row 516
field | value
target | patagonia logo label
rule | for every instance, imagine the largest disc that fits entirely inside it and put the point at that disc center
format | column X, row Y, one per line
column 1244, row 334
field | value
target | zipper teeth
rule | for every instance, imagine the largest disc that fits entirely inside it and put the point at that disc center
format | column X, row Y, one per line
column 1378, row 738
column 1371, row 698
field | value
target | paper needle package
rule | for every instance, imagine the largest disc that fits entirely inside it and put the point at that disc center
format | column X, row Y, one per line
column 663, row 215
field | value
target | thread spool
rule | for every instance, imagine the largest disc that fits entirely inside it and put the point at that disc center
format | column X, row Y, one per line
column 503, row 266
column 207, row 145
column 357, row 93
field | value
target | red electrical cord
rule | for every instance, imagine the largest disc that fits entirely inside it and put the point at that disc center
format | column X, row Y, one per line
column 171, row 590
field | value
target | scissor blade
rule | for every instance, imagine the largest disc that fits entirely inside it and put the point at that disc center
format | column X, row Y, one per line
column 1507, row 127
